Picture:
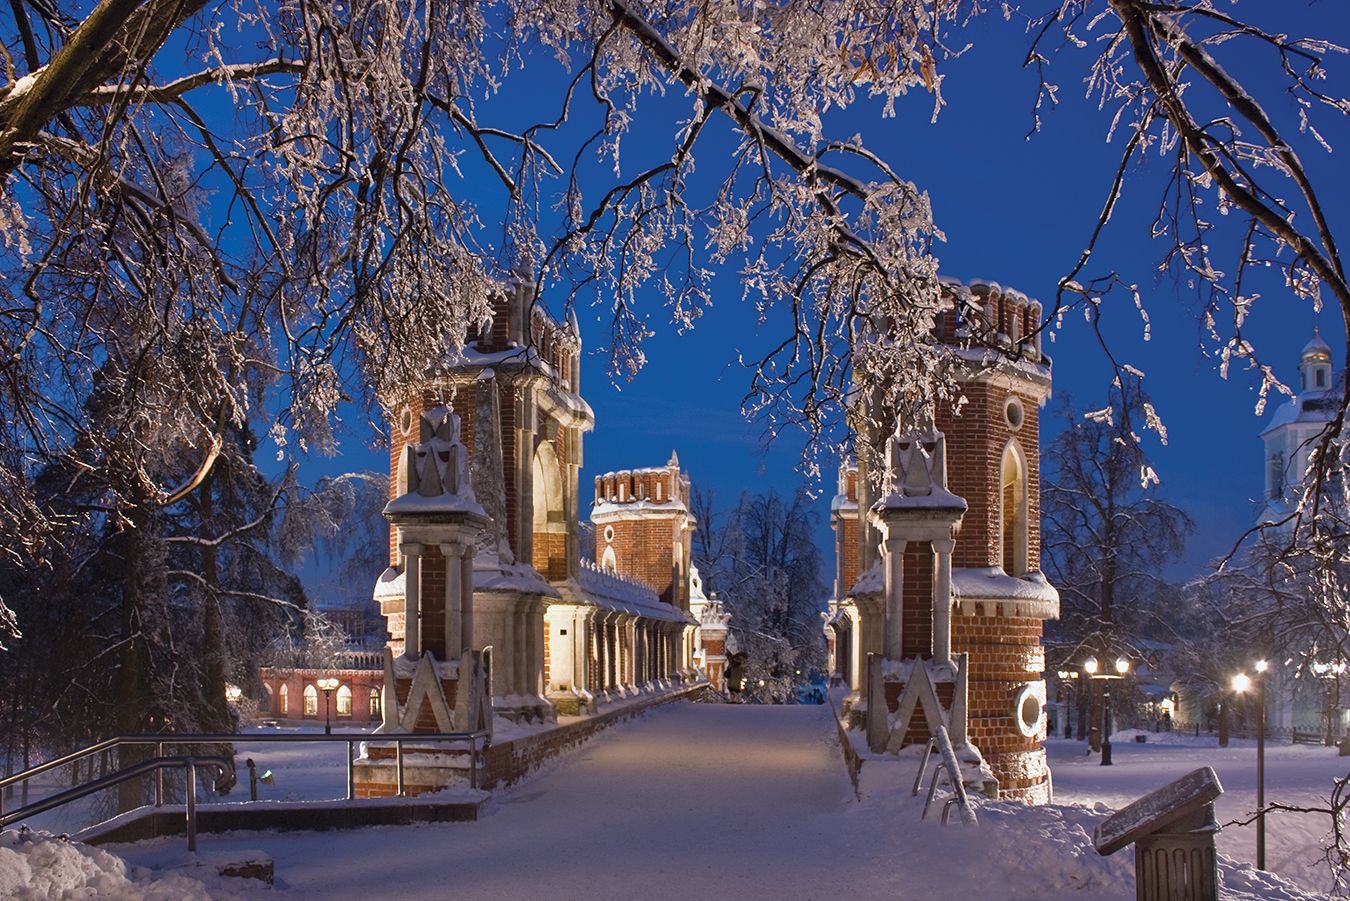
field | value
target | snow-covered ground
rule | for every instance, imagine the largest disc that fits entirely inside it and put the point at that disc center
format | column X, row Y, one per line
column 1299, row 775
column 726, row 801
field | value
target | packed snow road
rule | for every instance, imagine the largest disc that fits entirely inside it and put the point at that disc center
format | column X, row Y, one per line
column 690, row 799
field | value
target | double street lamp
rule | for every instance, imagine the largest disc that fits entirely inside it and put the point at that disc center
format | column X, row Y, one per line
column 1241, row 683
column 1091, row 667
column 327, row 684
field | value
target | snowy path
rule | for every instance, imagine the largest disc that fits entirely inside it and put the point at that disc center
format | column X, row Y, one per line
column 692, row 799
column 722, row 801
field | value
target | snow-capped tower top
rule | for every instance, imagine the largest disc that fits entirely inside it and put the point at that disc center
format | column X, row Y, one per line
column 643, row 528
column 1291, row 434
column 1314, row 365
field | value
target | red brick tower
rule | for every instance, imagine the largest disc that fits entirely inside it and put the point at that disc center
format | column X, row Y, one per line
column 998, row 598
column 515, row 389
column 643, row 528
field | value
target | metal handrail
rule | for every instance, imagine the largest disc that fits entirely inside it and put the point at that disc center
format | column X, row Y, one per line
column 949, row 768
column 351, row 739
column 156, row 764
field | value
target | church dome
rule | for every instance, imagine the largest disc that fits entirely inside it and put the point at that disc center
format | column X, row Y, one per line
column 1316, row 351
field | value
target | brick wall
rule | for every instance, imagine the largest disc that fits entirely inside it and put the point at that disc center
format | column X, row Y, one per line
column 361, row 683
column 644, row 549
column 916, row 621
column 975, row 443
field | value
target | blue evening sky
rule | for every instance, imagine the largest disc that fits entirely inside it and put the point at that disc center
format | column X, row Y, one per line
column 1018, row 212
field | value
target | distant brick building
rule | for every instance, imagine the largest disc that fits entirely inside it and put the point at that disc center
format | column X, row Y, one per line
column 291, row 695
column 929, row 573
column 566, row 635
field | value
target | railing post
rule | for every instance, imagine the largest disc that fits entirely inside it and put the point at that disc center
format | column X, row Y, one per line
column 159, row 776
column 351, row 777
column 398, row 754
column 191, row 805
column 473, row 761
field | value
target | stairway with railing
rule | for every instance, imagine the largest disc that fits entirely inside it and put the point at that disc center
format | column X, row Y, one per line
column 223, row 765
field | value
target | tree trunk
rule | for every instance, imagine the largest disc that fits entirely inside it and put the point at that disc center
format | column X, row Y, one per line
column 136, row 709
column 216, row 717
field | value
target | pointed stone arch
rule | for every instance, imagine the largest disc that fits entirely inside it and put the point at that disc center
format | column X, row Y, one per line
column 1014, row 510
column 549, row 514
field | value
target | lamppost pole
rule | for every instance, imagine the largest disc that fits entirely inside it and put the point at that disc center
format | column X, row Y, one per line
column 1106, row 724
column 1261, row 764
column 1241, row 682
column 1090, row 666
column 327, row 684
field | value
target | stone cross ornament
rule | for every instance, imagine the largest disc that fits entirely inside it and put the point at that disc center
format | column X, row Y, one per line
column 917, row 463
column 439, row 463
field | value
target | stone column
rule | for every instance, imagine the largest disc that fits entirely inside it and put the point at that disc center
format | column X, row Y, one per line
column 581, row 659
column 895, row 588
column 504, row 658
column 856, row 658
column 534, row 649
column 454, row 600
column 412, row 585
column 601, row 661
column 520, row 644
column 631, row 632
column 942, row 600
column 466, row 636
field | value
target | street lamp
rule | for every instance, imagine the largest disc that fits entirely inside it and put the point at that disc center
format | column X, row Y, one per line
column 1090, row 666
column 326, row 685
column 1069, row 686
column 1241, row 682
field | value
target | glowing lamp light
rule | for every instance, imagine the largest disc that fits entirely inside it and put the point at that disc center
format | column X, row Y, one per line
column 328, row 683
column 1122, row 665
column 233, row 693
column 1090, row 665
column 1241, row 682
column 1262, row 665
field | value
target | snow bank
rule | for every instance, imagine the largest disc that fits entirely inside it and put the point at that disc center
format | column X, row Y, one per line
column 1029, row 852
column 40, row 865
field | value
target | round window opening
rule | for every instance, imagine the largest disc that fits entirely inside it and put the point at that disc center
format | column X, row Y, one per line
column 609, row 533
column 1029, row 712
column 405, row 420
column 1012, row 412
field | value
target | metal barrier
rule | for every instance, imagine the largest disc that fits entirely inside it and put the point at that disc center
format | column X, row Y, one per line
column 224, row 781
column 947, row 768
column 161, row 761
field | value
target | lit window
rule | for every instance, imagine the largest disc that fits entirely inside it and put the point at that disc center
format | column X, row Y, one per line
column 283, row 704
column 1014, row 515
column 344, row 701
column 311, row 701
column 374, row 703
column 266, row 701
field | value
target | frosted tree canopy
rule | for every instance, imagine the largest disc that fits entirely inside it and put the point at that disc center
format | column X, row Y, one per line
column 275, row 213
